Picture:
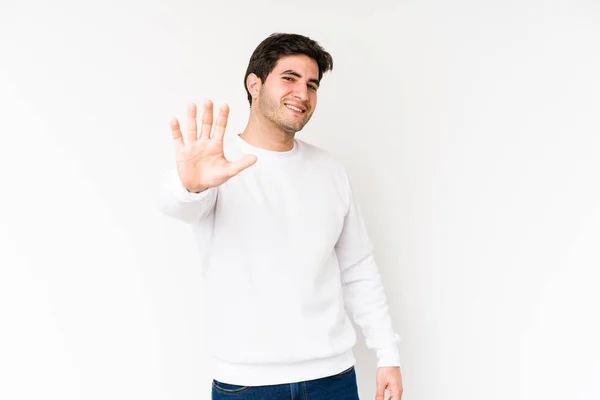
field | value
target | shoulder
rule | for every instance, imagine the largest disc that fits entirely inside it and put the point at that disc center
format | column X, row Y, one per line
column 326, row 162
column 319, row 154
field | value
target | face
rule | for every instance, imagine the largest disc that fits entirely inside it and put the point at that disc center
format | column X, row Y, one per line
column 288, row 97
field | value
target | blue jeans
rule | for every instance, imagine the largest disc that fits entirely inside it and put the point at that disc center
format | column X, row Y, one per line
column 341, row 386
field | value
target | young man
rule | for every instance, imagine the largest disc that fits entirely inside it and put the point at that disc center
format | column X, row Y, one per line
column 284, row 248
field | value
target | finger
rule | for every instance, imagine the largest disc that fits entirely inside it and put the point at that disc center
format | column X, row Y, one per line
column 395, row 393
column 176, row 132
column 221, row 122
column 192, row 126
column 207, row 119
column 395, row 396
column 246, row 161
column 380, row 394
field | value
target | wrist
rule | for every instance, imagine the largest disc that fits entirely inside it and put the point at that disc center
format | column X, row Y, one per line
column 196, row 190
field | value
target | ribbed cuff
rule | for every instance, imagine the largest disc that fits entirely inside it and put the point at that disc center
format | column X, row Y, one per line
column 388, row 356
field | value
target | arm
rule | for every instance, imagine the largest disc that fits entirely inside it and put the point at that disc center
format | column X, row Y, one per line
column 175, row 201
column 364, row 293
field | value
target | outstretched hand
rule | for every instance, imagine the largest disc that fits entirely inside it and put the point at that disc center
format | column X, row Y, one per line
column 200, row 160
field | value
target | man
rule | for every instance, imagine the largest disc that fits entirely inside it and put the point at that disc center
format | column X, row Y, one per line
column 284, row 248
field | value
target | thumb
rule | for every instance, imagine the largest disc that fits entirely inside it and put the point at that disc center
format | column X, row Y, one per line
column 246, row 161
column 380, row 395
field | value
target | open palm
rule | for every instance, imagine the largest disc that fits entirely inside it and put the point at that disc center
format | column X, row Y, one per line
column 200, row 160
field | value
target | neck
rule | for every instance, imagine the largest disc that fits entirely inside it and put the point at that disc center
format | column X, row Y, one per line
column 262, row 133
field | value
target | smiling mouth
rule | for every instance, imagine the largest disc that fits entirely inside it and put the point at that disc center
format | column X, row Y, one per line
column 294, row 108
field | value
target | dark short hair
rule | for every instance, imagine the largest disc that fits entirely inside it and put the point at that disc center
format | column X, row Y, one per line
column 278, row 45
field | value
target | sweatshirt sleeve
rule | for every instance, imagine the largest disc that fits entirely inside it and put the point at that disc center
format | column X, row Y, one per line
column 364, row 294
column 175, row 201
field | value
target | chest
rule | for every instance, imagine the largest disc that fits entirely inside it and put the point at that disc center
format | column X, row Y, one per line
column 283, row 207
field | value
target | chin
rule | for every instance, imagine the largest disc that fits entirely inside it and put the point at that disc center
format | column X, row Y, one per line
column 296, row 128
column 291, row 128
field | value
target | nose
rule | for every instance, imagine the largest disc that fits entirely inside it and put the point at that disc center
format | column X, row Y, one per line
column 301, row 92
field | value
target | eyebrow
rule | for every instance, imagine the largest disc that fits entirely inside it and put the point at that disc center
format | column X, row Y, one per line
column 297, row 75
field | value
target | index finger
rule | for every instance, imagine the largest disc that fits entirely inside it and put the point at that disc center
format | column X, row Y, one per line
column 396, row 392
column 221, row 122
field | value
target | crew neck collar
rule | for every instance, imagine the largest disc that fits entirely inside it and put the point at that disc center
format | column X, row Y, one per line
column 248, row 148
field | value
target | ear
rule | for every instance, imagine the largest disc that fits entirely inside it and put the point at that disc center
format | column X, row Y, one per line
column 253, row 83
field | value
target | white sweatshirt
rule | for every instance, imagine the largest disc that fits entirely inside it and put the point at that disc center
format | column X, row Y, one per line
column 285, row 254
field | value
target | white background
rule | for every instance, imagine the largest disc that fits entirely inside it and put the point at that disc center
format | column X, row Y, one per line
column 470, row 130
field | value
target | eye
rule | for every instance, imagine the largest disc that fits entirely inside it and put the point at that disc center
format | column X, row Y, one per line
column 288, row 78
column 313, row 87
